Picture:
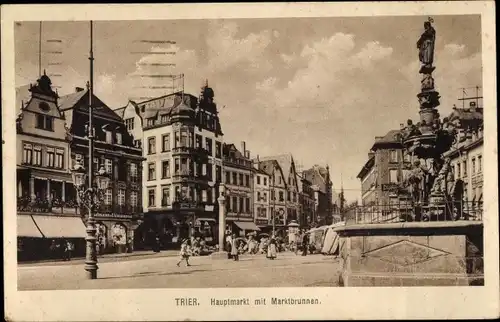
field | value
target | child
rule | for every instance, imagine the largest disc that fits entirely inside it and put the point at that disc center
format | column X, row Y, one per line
column 184, row 253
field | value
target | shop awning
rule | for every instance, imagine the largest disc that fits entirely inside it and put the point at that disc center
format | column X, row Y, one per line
column 60, row 227
column 247, row 225
column 26, row 227
column 206, row 219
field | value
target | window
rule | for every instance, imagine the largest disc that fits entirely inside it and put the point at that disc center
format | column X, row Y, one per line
column 37, row 155
column 228, row 177
column 44, row 122
column 151, row 198
column 60, row 159
column 258, row 179
column 121, row 197
column 242, row 205
column 108, row 197
column 165, row 169
column 218, row 149
column 393, row 176
column 151, row 145
column 177, row 166
column 247, row 205
column 265, row 197
column 129, row 124
column 394, row 156
column 473, row 166
column 138, row 143
column 208, row 145
column 247, row 180
column 165, row 199
column 209, row 196
column 118, row 138
column 465, row 168
column 164, row 118
column 133, row 172
column 151, row 121
column 479, row 163
column 265, row 181
column 96, row 164
column 184, row 138
column 241, row 179
column 109, row 135
column 50, row 157
column 235, row 204
column 282, row 197
column 294, row 197
column 108, row 163
column 258, row 196
column 151, row 171
column 218, row 173
column 288, row 195
column 165, row 142
column 209, row 171
column 27, row 153
column 133, row 198
column 458, row 172
column 199, row 140
column 235, row 178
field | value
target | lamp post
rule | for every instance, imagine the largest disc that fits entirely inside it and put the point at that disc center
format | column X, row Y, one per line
column 90, row 196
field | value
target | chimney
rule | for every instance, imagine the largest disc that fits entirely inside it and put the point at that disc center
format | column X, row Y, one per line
column 243, row 148
column 78, row 89
column 247, row 154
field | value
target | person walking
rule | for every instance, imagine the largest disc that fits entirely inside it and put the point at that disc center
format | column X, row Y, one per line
column 229, row 243
column 305, row 244
column 184, row 253
column 234, row 248
column 271, row 249
column 68, row 250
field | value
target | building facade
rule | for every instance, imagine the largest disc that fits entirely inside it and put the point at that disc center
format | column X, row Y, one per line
column 120, row 212
column 182, row 143
column 261, row 196
column 307, row 202
column 46, row 199
column 321, row 185
column 238, row 180
column 387, row 166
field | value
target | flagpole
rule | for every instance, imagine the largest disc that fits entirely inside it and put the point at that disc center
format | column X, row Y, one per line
column 40, row 51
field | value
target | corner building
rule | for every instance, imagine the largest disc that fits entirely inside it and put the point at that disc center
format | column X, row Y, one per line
column 182, row 144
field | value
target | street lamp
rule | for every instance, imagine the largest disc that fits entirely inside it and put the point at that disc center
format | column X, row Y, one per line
column 90, row 195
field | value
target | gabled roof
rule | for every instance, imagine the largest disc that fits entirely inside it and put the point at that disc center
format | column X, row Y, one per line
column 230, row 147
column 119, row 111
column 285, row 162
column 317, row 175
column 392, row 137
column 71, row 101
column 366, row 167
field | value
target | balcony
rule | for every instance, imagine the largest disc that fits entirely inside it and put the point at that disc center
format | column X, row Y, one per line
column 43, row 205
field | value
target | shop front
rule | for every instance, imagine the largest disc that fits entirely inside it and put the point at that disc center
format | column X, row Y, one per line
column 115, row 233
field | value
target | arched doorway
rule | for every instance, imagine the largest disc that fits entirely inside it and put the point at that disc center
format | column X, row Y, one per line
column 119, row 237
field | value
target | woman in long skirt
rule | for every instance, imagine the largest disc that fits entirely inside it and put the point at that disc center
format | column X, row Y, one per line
column 234, row 248
column 271, row 249
column 184, row 253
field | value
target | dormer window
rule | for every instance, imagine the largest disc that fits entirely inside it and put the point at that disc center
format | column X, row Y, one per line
column 118, row 136
column 108, row 133
column 44, row 122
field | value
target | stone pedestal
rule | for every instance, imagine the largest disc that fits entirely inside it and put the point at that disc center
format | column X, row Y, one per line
column 412, row 254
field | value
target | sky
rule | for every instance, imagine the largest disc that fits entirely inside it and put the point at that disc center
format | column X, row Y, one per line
column 318, row 88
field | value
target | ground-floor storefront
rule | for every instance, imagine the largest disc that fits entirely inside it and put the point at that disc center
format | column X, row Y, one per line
column 170, row 227
column 240, row 227
column 115, row 233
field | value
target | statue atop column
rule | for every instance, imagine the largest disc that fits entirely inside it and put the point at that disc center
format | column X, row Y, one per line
column 425, row 46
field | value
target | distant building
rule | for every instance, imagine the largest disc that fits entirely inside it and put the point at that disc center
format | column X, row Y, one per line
column 284, row 188
column 385, row 169
column 119, row 214
column 306, row 200
column 466, row 156
column 322, row 186
column 182, row 141
column 238, row 180
column 261, row 196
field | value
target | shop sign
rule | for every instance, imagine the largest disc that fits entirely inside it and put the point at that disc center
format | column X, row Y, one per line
column 209, row 207
column 261, row 221
column 114, row 215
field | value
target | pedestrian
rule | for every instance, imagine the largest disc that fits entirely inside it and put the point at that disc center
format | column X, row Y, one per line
column 68, row 250
column 184, row 253
column 53, row 249
column 271, row 249
column 156, row 245
column 229, row 243
column 305, row 240
column 234, row 248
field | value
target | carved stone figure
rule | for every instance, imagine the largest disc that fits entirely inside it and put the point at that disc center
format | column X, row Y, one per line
column 416, row 180
column 439, row 183
column 427, row 82
column 426, row 44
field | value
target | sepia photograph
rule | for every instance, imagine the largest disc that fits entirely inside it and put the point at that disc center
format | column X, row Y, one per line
column 313, row 152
